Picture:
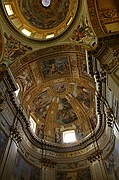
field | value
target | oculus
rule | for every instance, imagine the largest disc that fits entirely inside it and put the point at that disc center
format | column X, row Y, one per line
column 46, row 3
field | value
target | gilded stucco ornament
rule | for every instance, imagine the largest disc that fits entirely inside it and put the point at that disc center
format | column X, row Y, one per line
column 59, row 95
column 42, row 20
column 3, row 70
column 84, row 34
column 14, row 49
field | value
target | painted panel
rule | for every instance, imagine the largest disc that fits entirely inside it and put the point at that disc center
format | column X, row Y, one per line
column 14, row 49
column 42, row 17
column 79, row 175
column 25, row 80
column 65, row 113
column 84, row 97
column 3, row 143
column 55, row 67
column 41, row 104
column 24, row 171
column 60, row 87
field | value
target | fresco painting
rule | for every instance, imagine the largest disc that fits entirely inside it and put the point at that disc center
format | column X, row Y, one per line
column 24, row 171
column 84, row 34
column 112, row 163
column 41, row 104
column 40, row 130
column 65, row 113
column 79, row 175
column 79, row 132
column 14, row 49
column 3, row 143
column 84, row 97
column 25, row 80
column 41, row 17
column 60, row 87
column 55, row 67
column 93, row 119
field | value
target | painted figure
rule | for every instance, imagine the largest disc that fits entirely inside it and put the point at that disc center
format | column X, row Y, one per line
column 65, row 113
column 25, row 80
column 14, row 49
column 84, row 34
column 55, row 67
column 41, row 104
column 59, row 88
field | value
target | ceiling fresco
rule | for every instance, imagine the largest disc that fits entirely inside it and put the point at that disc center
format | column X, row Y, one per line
column 65, row 113
column 55, row 67
column 56, row 90
column 37, row 22
column 44, row 17
column 59, row 88
column 104, row 16
column 84, row 34
column 14, row 49
column 84, row 96
column 41, row 104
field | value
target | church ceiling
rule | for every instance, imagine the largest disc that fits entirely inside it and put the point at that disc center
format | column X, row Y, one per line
column 104, row 16
column 55, row 86
column 66, row 21
column 44, row 17
column 41, row 22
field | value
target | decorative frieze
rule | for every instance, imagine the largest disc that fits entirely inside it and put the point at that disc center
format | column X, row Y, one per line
column 48, row 162
column 95, row 156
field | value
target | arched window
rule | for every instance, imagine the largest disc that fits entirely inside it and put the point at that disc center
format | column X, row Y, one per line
column 18, row 89
column 33, row 124
column 69, row 136
column 46, row 3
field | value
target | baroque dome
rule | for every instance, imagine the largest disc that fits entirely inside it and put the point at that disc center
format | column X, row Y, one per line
column 44, row 17
column 41, row 22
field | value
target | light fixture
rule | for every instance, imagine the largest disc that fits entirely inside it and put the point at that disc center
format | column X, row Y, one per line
column 9, row 9
column 26, row 32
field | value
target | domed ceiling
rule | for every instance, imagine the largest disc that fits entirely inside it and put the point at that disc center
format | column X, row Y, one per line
column 39, row 20
column 44, row 17
column 56, row 90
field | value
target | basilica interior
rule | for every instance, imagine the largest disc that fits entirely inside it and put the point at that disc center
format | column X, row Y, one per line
column 59, row 89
